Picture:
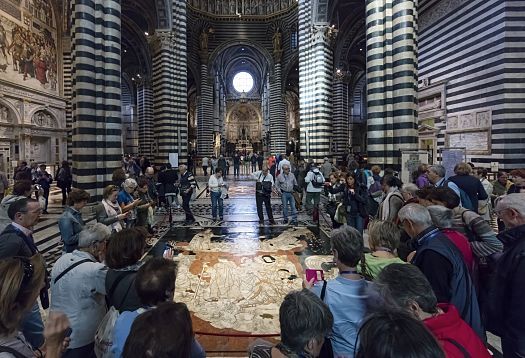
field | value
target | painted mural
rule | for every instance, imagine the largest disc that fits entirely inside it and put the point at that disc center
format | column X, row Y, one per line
column 28, row 51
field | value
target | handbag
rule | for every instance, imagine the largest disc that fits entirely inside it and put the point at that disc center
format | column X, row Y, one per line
column 331, row 209
column 104, row 334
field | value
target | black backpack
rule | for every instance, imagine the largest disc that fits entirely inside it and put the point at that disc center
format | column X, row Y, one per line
column 315, row 180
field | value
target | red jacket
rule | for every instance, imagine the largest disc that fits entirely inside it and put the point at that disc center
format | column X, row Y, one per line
column 452, row 332
column 461, row 242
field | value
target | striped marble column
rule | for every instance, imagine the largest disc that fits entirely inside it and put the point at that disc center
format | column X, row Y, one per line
column 340, row 119
column 66, row 64
column 169, row 89
column 391, row 79
column 315, row 85
column 145, row 117
column 278, row 128
column 96, row 93
column 205, row 122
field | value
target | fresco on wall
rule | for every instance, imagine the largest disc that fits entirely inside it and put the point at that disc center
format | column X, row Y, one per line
column 28, row 51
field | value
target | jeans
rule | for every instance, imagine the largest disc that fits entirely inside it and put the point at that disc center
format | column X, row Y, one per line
column 356, row 221
column 288, row 198
column 65, row 191
column 186, row 197
column 33, row 327
column 236, row 169
column 205, row 170
column 46, row 196
column 259, row 200
column 216, row 200
column 172, row 198
column 315, row 197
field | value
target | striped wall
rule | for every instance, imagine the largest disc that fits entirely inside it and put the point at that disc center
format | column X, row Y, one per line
column 278, row 126
column 315, row 86
column 205, row 122
column 478, row 49
column 391, row 40
column 67, row 63
column 145, row 118
column 96, row 104
column 340, row 123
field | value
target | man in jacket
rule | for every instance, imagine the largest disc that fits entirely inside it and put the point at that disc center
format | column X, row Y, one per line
column 17, row 240
column 442, row 264
column 314, row 180
column 506, row 312
column 263, row 194
column 285, row 184
column 187, row 186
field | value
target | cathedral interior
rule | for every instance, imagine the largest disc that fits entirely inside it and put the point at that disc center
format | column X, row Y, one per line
column 320, row 78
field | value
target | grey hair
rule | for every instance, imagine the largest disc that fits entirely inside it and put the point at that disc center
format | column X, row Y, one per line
column 439, row 170
column 415, row 213
column 93, row 233
column 442, row 217
column 410, row 188
column 514, row 201
column 182, row 167
column 129, row 183
column 303, row 317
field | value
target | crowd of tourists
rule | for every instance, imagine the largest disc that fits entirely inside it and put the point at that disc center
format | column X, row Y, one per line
column 434, row 279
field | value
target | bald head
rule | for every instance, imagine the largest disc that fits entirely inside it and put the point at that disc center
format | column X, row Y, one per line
column 150, row 171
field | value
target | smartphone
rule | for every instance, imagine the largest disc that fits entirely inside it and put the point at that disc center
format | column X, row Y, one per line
column 317, row 275
column 68, row 332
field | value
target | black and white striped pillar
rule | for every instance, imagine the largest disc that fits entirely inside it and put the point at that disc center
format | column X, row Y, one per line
column 145, row 117
column 278, row 131
column 315, row 85
column 205, row 122
column 96, row 93
column 391, row 33
column 170, row 90
column 340, row 123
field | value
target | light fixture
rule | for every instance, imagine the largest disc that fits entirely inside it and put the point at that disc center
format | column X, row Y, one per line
column 146, row 33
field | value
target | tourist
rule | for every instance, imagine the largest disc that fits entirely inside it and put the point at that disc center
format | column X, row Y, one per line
column 305, row 321
column 393, row 199
column 17, row 240
column 64, row 180
column 21, row 279
column 335, row 197
column 70, row 223
column 128, row 204
column 327, row 168
column 153, row 335
column 236, row 164
column 376, row 189
column 214, row 163
column 187, row 186
column 443, row 218
column 77, row 289
column 354, row 200
column 436, row 175
column 518, row 180
column 480, row 234
column 469, row 184
column 222, row 163
column 253, row 161
column 169, row 181
column 215, row 185
column 21, row 189
column 145, row 212
column 346, row 295
column 421, row 179
column 409, row 193
column 149, row 175
column 506, row 312
column 108, row 212
column 44, row 179
column 260, row 160
column 205, row 165
column 123, row 253
column 315, row 182
column 263, row 194
column 442, row 263
column 155, row 284
column 284, row 161
column 485, row 205
column 396, row 334
column 22, row 172
column 500, row 186
column 285, row 184
column 406, row 288
column 383, row 239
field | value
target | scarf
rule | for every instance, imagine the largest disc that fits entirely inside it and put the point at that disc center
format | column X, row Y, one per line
column 112, row 210
column 385, row 208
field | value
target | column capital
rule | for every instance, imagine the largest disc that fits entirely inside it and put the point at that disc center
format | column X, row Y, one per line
column 162, row 39
column 324, row 33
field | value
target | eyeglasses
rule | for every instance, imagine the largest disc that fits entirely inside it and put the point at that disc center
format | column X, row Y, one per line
column 499, row 212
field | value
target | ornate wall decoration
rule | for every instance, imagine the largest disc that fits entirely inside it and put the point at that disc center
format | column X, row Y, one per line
column 438, row 11
column 28, row 44
column 470, row 130
column 43, row 119
column 241, row 8
column 243, row 123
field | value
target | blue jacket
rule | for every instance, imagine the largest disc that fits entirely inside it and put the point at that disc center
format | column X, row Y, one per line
column 70, row 225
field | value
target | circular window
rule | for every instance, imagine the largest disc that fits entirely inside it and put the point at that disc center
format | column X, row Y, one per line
column 243, row 82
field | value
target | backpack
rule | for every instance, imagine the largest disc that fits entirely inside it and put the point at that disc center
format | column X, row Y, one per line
column 375, row 187
column 465, row 199
column 315, row 181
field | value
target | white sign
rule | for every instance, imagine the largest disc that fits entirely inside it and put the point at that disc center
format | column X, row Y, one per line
column 174, row 160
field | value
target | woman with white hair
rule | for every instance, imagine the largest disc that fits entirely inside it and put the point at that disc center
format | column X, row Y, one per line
column 127, row 202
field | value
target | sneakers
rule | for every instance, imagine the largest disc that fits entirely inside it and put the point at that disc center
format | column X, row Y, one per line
column 285, row 222
column 261, row 222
